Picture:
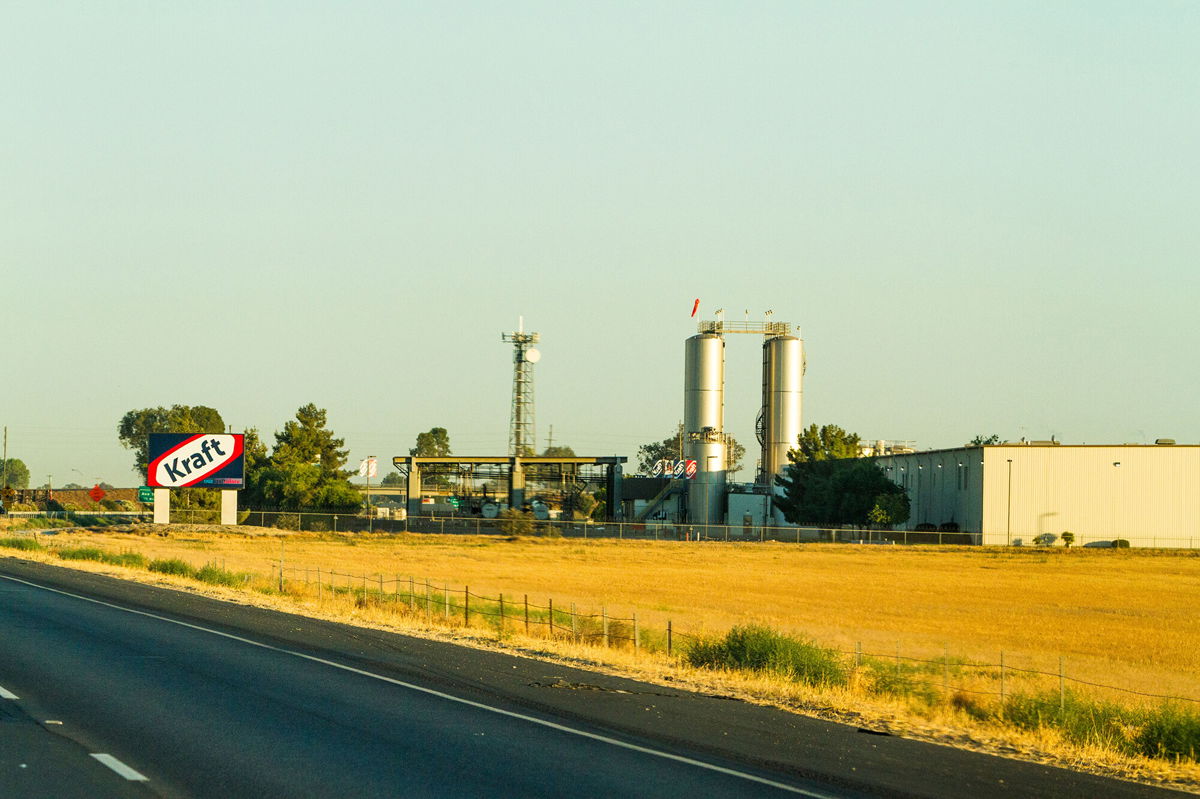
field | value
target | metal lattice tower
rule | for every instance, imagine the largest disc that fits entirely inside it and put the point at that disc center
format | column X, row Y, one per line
column 522, row 430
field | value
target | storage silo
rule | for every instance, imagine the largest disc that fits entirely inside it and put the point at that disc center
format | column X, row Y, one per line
column 704, row 425
column 782, row 382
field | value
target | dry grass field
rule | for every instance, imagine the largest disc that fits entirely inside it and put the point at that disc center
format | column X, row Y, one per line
column 1118, row 617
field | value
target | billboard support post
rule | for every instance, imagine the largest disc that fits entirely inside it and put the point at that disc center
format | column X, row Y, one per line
column 229, row 506
column 162, row 506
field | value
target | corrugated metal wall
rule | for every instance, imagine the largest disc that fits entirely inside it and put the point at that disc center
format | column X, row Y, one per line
column 1152, row 498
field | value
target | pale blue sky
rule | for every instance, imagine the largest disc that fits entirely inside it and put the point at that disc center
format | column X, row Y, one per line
column 981, row 214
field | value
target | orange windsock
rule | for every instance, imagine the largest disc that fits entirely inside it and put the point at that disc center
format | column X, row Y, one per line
column 695, row 306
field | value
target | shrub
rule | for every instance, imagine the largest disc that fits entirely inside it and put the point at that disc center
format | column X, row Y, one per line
column 1120, row 543
column 1045, row 539
column 133, row 560
column 761, row 649
column 81, row 553
column 1169, row 732
column 21, row 542
column 214, row 575
column 172, row 566
column 515, row 522
column 287, row 521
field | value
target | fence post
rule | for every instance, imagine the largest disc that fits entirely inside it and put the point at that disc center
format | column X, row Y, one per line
column 320, row 587
column 446, row 599
column 857, row 655
column 527, row 614
column 946, row 672
column 574, row 626
column 551, row 603
column 412, row 593
column 381, row 588
column 501, row 631
column 637, row 638
column 1062, row 693
column 1002, row 681
column 668, row 638
column 604, row 619
column 466, row 606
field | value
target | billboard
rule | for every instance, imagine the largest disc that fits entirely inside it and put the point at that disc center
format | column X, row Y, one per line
column 205, row 460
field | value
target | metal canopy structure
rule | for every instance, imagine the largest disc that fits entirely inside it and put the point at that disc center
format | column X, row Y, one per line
column 516, row 479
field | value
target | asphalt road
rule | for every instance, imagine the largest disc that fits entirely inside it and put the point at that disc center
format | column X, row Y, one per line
column 181, row 695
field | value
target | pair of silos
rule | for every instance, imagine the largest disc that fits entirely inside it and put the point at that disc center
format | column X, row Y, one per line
column 704, row 416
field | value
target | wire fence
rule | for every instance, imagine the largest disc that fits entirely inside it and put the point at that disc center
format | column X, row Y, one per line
column 947, row 680
column 645, row 531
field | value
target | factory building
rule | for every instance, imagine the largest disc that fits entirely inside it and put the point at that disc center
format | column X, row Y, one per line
column 1148, row 495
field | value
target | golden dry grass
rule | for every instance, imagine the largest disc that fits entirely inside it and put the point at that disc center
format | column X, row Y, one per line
column 1118, row 617
column 1122, row 617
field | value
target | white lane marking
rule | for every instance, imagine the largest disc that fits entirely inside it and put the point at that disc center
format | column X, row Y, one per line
column 7, row 694
column 122, row 769
column 806, row 792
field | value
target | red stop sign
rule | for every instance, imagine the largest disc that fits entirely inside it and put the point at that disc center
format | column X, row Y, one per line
column 96, row 493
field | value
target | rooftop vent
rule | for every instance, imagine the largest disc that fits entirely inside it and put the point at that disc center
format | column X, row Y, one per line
column 1164, row 442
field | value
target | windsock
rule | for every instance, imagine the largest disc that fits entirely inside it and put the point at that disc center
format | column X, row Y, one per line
column 695, row 306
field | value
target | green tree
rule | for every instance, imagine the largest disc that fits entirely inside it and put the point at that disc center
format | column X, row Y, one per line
column 15, row 473
column 257, row 461
column 890, row 509
column 833, row 493
column 135, row 428
column 1068, row 538
column 982, row 440
column 306, row 440
column 392, row 479
column 134, row 431
column 304, row 471
column 669, row 449
column 828, row 442
column 558, row 452
column 433, row 444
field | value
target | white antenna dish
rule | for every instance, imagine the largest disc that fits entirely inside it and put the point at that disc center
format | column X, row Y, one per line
column 532, row 355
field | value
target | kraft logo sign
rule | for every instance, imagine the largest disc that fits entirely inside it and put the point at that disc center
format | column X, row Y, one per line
column 179, row 460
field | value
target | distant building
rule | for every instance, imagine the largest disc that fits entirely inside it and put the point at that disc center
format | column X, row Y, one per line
column 1148, row 495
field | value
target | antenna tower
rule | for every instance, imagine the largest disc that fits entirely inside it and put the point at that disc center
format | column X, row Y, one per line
column 522, row 431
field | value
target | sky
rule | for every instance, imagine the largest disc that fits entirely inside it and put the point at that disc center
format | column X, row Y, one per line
column 980, row 216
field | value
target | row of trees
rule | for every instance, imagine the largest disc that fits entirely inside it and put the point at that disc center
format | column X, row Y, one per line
column 303, row 470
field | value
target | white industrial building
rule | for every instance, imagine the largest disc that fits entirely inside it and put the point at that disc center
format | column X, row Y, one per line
column 1148, row 495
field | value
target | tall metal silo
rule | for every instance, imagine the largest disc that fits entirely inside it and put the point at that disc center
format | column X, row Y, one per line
column 704, row 425
column 782, row 403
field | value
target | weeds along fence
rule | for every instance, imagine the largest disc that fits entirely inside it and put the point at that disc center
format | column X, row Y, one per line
column 1001, row 691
